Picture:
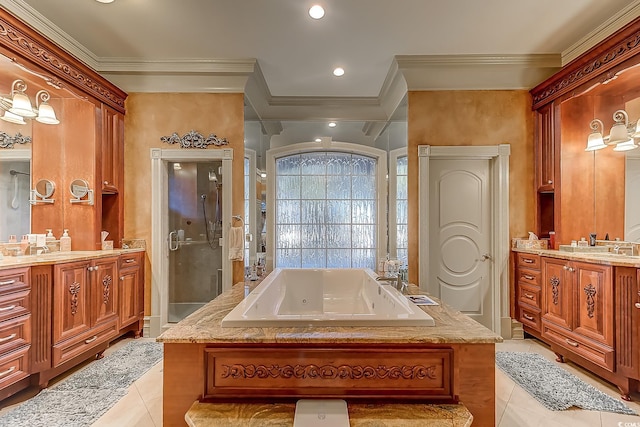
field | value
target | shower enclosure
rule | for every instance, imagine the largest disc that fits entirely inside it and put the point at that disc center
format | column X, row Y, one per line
column 15, row 184
column 194, row 237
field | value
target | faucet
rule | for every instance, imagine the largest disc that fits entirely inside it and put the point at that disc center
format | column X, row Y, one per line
column 399, row 284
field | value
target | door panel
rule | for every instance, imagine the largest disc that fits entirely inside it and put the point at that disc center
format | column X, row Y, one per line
column 556, row 281
column 460, row 230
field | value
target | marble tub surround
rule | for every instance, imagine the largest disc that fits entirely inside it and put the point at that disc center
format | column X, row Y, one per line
column 60, row 257
column 204, row 326
column 360, row 415
column 207, row 363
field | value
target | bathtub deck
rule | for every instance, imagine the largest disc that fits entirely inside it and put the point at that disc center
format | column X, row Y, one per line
column 185, row 362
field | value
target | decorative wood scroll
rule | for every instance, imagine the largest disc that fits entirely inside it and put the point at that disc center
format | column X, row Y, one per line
column 194, row 139
column 555, row 282
column 74, row 290
column 329, row 372
column 106, row 285
column 7, row 141
column 590, row 291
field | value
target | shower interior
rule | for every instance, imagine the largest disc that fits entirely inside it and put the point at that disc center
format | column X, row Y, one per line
column 195, row 231
column 15, row 183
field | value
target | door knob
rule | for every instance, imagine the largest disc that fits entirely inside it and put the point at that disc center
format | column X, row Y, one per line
column 485, row 257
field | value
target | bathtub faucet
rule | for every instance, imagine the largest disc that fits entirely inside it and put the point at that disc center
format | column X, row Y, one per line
column 399, row 284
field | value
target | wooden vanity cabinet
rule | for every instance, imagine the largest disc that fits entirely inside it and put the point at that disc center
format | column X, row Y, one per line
column 84, row 308
column 15, row 330
column 112, row 149
column 578, row 309
column 131, row 293
column 528, row 290
column 545, row 148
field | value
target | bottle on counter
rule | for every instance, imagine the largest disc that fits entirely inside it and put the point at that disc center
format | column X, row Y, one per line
column 50, row 237
column 65, row 241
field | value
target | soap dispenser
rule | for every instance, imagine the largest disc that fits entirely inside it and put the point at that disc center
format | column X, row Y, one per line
column 50, row 237
column 65, row 242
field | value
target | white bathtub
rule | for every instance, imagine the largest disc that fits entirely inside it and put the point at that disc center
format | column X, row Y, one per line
column 325, row 297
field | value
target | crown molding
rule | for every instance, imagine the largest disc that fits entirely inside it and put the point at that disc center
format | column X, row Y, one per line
column 477, row 60
column 601, row 32
column 184, row 66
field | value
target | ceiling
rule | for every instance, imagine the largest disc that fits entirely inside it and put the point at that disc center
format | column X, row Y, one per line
column 283, row 60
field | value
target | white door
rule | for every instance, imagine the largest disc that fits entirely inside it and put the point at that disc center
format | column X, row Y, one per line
column 460, row 236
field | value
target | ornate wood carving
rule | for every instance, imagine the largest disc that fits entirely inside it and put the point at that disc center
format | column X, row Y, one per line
column 614, row 50
column 22, row 40
column 106, row 286
column 555, row 282
column 74, row 290
column 327, row 372
column 590, row 292
column 7, row 141
column 194, row 139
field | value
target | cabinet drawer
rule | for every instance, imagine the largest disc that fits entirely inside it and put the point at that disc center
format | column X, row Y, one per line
column 15, row 333
column 601, row 355
column 14, row 280
column 14, row 304
column 130, row 260
column 529, row 294
column 529, row 261
column 14, row 367
column 530, row 317
column 529, row 276
column 77, row 345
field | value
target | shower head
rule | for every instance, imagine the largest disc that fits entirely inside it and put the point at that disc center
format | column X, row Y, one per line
column 203, row 196
column 15, row 172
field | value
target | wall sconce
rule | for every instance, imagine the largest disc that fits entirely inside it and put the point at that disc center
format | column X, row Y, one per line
column 17, row 107
column 620, row 136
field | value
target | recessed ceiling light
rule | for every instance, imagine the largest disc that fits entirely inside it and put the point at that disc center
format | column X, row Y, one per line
column 105, row 1
column 332, row 124
column 338, row 72
column 316, row 11
column 318, row 140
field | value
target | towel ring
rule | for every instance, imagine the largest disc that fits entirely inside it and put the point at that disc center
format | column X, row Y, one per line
column 238, row 218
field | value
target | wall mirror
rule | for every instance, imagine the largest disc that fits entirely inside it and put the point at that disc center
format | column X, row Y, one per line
column 81, row 192
column 42, row 192
column 262, row 135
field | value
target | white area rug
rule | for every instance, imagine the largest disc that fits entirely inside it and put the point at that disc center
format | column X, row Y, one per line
column 554, row 387
column 84, row 396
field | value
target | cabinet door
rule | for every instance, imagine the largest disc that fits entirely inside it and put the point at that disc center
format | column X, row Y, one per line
column 104, row 290
column 545, row 146
column 128, row 296
column 594, row 305
column 557, row 282
column 71, row 300
column 112, row 146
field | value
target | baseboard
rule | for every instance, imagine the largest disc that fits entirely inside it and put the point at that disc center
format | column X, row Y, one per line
column 152, row 327
column 505, row 328
column 517, row 332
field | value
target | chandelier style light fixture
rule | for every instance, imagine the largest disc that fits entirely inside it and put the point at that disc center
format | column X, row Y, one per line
column 621, row 137
column 17, row 106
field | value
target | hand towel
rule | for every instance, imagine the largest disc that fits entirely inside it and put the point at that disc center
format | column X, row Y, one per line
column 236, row 243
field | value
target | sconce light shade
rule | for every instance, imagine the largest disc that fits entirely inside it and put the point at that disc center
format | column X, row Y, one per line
column 625, row 146
column 595, row 141
column 12, row 118
column 619, row 133
column 46, row 115
column 21, row 105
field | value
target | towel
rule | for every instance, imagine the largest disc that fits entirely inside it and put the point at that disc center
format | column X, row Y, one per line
column 236, row 243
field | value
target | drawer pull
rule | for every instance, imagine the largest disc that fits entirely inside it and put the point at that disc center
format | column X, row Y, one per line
column 528, row 277
column 526, row 316
column 8, row 308
column 7, row 372
column 571, row 343
column 529, row 296
column 637, row 305
column 8, row 282
column 90, row 340
column 130, row 260
column 527, row 260
column 9, row 338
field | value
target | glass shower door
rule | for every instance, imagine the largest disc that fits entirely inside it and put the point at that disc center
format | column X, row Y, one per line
column 195, row 230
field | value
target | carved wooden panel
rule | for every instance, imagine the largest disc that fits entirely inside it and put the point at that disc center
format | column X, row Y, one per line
column 407, row 374
column 557, row 283
column 104, row 290
column 594, row 305
column 627, row 334
column 71, row 300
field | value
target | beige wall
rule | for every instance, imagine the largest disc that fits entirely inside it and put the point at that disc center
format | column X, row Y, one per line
column 474, row 118
column 150, row 116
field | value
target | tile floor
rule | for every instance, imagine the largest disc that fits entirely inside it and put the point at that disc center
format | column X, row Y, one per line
column 142, row 406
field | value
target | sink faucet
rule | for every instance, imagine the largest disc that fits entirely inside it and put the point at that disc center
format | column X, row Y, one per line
column 399, row 284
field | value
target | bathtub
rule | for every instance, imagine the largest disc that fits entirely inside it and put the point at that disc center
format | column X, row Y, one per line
column 325, row 297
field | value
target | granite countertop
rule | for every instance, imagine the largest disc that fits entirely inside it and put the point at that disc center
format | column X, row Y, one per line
column 203, row 326
column 59, row 257
column 604, row 258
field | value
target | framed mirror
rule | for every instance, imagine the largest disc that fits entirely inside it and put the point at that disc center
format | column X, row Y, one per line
column 42, row 192
column 81, row 192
